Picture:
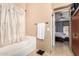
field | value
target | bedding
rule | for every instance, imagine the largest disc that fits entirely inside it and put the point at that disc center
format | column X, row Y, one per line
column 60, row 34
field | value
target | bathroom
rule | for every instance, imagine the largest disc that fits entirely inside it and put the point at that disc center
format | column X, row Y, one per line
column 22, row 20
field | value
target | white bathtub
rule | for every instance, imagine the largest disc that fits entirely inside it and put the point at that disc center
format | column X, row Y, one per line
column 19, row 49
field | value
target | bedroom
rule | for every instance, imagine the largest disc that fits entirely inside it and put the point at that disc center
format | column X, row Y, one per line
column 62, row 24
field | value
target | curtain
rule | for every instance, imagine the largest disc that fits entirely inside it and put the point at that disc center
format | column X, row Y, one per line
column 12, row 24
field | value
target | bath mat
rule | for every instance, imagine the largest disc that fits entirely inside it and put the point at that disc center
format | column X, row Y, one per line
column 40, row 52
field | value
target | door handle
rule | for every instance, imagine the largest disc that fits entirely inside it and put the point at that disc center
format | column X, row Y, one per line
column 75, row 35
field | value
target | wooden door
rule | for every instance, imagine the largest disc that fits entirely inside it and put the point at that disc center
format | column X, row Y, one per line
column 75, row 34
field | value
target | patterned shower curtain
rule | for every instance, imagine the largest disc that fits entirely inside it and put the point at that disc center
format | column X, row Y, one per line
column 12, row 24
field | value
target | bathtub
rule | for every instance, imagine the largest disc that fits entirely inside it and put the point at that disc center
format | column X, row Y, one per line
column 22, row 48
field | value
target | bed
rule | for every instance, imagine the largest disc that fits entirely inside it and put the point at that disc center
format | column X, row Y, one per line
column 22, row 48
column 60, row 36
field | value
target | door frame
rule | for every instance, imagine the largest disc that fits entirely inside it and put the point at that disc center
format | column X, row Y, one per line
column 53, row 26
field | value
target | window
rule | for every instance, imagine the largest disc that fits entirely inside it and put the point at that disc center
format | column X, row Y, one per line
column 66, row 30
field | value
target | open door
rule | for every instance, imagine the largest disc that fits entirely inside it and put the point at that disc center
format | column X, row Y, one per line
column 75, row 34
column 75, row 31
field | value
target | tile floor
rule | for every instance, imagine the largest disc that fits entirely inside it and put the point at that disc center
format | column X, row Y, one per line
column 61, row 49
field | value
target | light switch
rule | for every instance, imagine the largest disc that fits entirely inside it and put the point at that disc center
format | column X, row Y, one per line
column 48, row 29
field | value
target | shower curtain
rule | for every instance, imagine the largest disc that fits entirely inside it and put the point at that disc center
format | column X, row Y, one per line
column 12, row 24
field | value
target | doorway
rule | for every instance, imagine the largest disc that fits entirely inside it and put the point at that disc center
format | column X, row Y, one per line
column 61, row 31
column 62, row 23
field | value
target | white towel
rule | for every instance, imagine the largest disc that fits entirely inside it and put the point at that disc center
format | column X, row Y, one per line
column 41, row 31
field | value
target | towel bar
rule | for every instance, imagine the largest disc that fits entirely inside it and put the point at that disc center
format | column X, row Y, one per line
column 45, row 23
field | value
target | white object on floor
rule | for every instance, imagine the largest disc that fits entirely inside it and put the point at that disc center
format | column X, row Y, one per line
column 21, row 48
column 41, row 31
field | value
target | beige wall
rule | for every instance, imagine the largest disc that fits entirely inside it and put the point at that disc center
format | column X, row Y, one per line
column 21, row 5
column 37, row 13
